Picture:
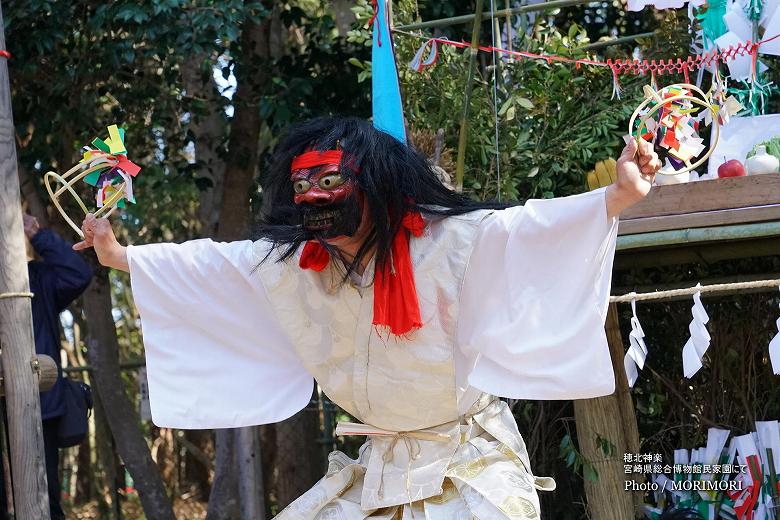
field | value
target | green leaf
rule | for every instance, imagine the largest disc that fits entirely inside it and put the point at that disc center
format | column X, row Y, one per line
column 524, row 102
column 590, row 473
column 505, row 106
column 573, row 31
column 570, row 458
column 510, row 114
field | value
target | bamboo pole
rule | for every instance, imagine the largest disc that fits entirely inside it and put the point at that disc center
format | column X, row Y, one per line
column 466, row 18
column 473, row 51
column 616, row 41
column 16, row 332
column 697, row 235
column 129, row 365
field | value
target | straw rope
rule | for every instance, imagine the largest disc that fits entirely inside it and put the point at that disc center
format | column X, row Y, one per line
column 720, row 287
column 15, row 295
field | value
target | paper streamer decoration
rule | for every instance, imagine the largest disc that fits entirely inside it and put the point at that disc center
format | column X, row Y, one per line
column 728, row 106
column 753, row 9
column 740, row 67
column 754, row 94
column 386, row 91
column 418, row 64
column 681, row 457
column 746, row 500
column 711, row 21
column 769, row 443
column 637, row 351
column 699, row 342
column 105, row 166
column 774, row 352
column 738, row 23
column 668, row 118
column 756, row 496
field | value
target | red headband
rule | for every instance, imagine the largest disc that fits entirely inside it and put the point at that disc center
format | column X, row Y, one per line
column 316, row 158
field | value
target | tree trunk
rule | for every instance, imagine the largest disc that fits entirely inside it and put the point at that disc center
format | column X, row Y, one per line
column 250, row 473
column 103, row 352
column 299, row 462
column 208, row 127
column 343, row 16
column 197, row 466
column 234, row 221
column 268, row 463
column 16, row 331
column 242, row 159
column 35, row 205
column 223, row 500
column 106, row 462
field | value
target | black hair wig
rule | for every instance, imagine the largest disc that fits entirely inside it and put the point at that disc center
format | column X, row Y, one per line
column 393, row 177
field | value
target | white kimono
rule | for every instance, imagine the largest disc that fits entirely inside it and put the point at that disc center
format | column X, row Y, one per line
column 513, row 304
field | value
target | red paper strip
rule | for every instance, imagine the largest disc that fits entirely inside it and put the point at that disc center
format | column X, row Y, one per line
column 128, row 167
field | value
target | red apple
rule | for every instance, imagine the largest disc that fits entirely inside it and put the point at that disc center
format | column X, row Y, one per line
column 732, row 168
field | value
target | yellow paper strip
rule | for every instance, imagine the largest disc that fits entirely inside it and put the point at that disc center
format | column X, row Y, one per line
column 115, row 140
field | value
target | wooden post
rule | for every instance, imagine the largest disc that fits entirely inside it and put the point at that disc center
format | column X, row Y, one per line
column 464, row 116
column 46, row 369
column 16, row 332
column 611, row 418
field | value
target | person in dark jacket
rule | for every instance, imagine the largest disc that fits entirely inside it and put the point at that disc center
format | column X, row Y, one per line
column 57, row 279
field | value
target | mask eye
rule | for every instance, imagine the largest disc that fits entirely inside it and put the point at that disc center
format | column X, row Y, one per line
column 301, row 186
column 329, row 182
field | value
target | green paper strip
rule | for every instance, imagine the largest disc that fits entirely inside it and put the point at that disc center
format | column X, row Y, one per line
column 711, row 21
column 92, row 178
column 101, row 145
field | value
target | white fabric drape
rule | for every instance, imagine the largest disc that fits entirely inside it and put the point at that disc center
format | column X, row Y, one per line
column 216, row 356
column 534, row 301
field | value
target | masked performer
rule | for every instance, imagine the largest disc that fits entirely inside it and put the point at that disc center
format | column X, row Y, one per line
column 412, row 306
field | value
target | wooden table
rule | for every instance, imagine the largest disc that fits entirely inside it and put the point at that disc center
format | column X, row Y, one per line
column 704, row 221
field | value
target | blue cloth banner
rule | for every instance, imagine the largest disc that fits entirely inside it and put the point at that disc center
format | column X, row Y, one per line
column 387, row 108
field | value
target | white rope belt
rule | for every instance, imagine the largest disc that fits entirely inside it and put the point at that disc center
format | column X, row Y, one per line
column 350, row 428
column 410, row 439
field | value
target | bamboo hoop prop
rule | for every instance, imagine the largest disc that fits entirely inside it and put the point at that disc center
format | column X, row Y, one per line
column 665, row 97
column 106, row 167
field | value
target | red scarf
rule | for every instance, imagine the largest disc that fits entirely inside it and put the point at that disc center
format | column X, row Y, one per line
column 395, row 294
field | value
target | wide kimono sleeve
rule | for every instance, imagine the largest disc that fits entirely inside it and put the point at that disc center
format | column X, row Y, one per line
column 534, row 300
column 216, row 356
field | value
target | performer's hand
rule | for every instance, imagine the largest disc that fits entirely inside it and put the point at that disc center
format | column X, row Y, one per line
column 31, row 226
column 98, row 234
column 636, row 168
